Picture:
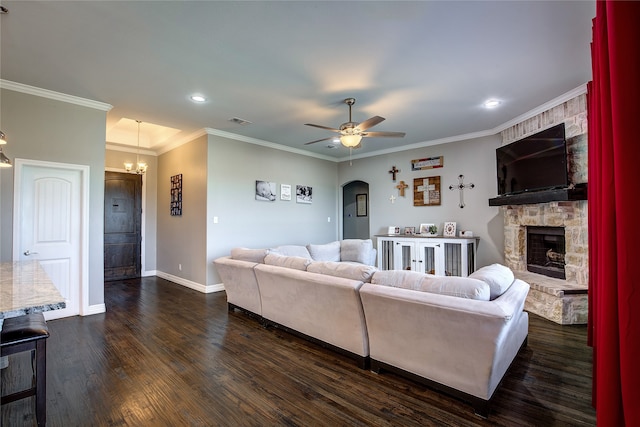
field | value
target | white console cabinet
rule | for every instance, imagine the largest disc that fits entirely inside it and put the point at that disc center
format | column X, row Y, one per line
column 442, row 256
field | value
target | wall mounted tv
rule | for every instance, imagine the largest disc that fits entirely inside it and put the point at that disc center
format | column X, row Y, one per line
column 537, row 162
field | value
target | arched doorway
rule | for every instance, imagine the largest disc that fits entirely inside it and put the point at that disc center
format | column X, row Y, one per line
column 355, row 210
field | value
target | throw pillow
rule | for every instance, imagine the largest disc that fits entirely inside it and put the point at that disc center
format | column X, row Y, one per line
column 398, row 279
column 497, row 276
column 359, row 272
column 294, row 262
column 327, row 252
column 251, row 255
column 292, row 250
column 356, row 250
column 461, row 287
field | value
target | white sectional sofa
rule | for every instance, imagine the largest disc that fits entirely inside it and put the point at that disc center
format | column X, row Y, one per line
column 455, row 334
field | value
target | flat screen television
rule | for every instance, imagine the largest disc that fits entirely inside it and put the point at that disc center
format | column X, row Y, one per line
column 537, row 162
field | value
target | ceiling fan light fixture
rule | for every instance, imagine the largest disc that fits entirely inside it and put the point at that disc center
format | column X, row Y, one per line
column 3, row 138
column 351, row 141
column 4, row 160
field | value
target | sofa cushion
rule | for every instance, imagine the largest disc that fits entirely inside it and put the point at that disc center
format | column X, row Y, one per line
column 252, row 255
column 497, row 276
column 359, row 272
column 294, row 262
column 292, row 250
column 462, row 287
column 356, row 250
column 326, row 252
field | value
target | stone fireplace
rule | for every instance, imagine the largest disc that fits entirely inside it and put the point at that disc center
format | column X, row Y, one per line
column 559, row 280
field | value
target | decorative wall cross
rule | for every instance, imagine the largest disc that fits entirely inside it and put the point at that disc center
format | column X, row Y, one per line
column 401, row 187
column 392, row 198
column 461, row 186
column 393, row 172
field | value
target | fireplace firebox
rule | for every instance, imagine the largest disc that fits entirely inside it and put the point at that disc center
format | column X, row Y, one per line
column 546, row 251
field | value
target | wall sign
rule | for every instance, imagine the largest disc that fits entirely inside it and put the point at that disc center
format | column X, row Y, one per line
column 428, row 163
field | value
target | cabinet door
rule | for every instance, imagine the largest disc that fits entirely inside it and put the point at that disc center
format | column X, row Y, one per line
column 430, row 258
column 404, row 257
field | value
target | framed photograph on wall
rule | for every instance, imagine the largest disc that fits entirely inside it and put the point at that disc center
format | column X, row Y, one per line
column 304, row 194
column 265, row 191
column 361, row 205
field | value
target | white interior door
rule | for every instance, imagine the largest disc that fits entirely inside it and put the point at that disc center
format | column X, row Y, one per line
column 48, row 225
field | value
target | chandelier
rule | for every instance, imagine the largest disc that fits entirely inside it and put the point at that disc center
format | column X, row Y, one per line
column 141, row 167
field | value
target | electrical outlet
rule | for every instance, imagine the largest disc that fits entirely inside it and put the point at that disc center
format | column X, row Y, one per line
column 180, row 267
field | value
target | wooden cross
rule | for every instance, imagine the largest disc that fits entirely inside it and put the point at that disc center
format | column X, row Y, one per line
column 401, row 187
column 392, row 198
column 393, row 172
column 461, row 186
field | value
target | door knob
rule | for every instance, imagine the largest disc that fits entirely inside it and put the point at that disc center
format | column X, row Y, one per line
column 28, row 252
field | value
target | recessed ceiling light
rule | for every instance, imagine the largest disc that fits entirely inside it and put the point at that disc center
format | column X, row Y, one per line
column 198, row 98
column 491, row 103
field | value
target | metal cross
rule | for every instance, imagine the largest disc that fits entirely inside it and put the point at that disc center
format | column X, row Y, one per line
column 393, row 172
column 401, row 187
column 392, row 198
column 461, row 186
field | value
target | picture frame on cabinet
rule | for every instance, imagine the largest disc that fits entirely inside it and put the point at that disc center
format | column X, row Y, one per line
column 449, row 229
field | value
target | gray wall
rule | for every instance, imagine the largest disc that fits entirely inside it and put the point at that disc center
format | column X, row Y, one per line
column 475, row 159
column 50, row 130
column 115, row 160
column 182, row 240
column 243, row 221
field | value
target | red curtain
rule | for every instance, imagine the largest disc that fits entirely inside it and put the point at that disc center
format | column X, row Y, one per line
column 614, row 223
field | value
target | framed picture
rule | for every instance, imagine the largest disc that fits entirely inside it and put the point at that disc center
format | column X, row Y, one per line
column 449, row 229
column 304, row 194
column 176, row 195
column 266, row 191
column 409, row 231
column 361, row 205
column 424, row 228
column 285, row 192
column 393, row 230
column 426, row 191
column 428, row 163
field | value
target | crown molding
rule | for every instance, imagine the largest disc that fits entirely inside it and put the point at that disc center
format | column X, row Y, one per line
column 268, row 144
column 129, row 149
column 44, row 93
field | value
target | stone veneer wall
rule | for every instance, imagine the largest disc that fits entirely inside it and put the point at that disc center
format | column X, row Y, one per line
column 547, row 297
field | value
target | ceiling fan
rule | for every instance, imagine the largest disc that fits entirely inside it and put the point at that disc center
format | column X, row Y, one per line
column 351, row 133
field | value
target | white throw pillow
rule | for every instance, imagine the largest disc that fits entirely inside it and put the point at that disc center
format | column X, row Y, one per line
column 252, row 255
column 292, row 250
column 497, row 276
column 359, row 272
column 461, row 287
column 327, row 252
column 398, row 279
column 356, row 250
column 294, row 262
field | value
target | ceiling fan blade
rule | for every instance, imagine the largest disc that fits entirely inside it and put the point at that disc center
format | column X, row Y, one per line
column 383, row 134
column 318, row 140
column 370, row 123
column 322, row 127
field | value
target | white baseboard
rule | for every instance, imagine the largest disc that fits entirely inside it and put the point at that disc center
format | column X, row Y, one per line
column 206, row 289
column 94, row 309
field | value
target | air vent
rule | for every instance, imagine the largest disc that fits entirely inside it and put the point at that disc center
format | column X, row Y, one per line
column 239, row 121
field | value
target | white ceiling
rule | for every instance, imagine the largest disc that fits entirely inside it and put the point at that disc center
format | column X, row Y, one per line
column 427, row 66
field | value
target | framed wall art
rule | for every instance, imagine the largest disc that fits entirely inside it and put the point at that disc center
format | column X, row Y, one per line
column 449, row 229
column 426, row 191
column 304, row 194
column 285, row 192
column 265, row 191
column 176, row 195
column 427, row 163
column 361, row 205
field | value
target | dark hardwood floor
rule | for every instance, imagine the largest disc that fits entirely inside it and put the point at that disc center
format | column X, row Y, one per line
column 165, row 355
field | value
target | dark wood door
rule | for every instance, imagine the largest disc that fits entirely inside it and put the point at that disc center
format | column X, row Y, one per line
column 122, row 218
